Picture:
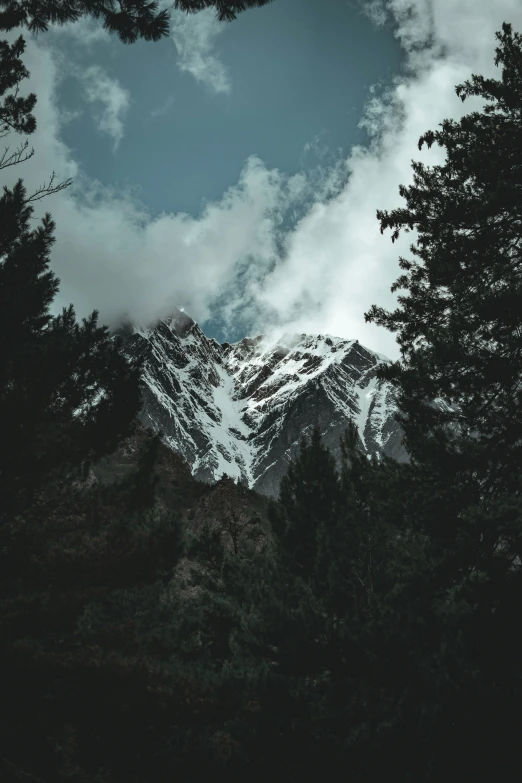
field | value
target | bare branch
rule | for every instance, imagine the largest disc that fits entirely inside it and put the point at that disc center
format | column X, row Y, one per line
column 15, row 157
column 48, row 190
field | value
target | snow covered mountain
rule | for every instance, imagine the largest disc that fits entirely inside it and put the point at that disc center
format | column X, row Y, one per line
column 242, row 408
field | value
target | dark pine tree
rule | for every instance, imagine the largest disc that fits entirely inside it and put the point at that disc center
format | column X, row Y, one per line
column 145, row 480
column 15, row 110
column 67, row 394
column 460, row 330
column 459, row 324
column 309, row 497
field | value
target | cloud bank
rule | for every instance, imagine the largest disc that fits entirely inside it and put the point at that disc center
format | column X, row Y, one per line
column 237, row 260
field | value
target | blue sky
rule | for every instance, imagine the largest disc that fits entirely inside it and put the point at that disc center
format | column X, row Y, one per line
column 235, row 168
column 295, row 78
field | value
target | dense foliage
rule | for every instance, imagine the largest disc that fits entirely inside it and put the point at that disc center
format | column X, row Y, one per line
column 366, row 626
column 458, row 324
column 67, row 395
column 129, row 19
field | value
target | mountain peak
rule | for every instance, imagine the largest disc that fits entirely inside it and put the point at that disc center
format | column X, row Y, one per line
column 242, row 408
column 180, row 322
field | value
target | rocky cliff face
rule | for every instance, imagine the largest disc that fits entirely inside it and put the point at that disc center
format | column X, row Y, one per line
column 242, row 408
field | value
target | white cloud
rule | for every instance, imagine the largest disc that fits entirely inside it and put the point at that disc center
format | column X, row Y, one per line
column 111, row 101
column 336, row 262
column 375, row 10
column 194, row 36
column 86, row 31
column 322, row 276
column 67, row 116
column 111, row 255
column 162, row 109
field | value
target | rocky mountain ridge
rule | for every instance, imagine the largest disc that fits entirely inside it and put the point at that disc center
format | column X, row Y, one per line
column 241, row 409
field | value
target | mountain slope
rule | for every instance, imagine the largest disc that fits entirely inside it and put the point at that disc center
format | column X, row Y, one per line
column 242, row 408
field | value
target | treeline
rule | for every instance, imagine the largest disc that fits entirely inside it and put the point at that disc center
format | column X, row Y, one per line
column 373, row 629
